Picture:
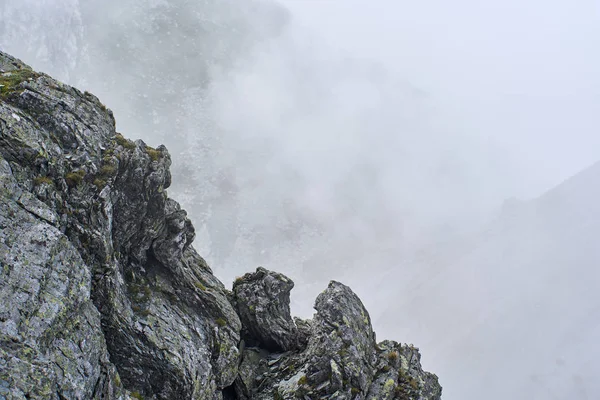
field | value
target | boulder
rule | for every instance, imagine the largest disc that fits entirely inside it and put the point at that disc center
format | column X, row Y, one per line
column 262, row 300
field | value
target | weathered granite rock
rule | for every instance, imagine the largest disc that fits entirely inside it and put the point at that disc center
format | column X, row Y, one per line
column 51, row 342
column 340, row 361
column 253, row 365
column 400, row 375
column 102, row 295
column 262, row 300
column 87, row 217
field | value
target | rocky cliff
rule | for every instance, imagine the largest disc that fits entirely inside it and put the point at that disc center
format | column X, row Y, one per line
column 102, row 295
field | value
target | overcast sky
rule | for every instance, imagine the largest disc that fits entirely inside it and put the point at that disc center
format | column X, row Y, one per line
column 522, row 74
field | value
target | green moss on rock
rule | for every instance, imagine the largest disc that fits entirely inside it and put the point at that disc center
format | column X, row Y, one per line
column 303, row 380
column 126, row 143
column 75, row 178
column 136, row 395
column 99, row 183
column 10, row 81
column 41, row 180
column 153, row 153
column 108, row 170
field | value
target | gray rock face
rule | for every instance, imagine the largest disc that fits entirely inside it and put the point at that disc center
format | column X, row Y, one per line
column 400, row 375
column 262, row 300
column 342, row 343
column 51, row 344
column 102, row 295
column 341, row 359
column 90, row 238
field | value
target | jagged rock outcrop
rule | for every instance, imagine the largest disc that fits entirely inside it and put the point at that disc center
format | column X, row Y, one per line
column 262, row 300
column 341, row 360
column 103, row 296
column 87, row 217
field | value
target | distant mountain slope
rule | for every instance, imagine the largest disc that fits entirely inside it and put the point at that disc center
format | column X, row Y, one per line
column 514, row 314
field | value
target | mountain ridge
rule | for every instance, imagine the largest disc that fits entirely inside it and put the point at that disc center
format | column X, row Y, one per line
column 102, row 294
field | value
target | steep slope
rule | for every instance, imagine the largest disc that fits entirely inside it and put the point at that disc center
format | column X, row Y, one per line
column 517, row 306
column 103, row 296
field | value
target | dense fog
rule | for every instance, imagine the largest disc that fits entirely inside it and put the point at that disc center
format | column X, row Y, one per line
column 413, row 150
